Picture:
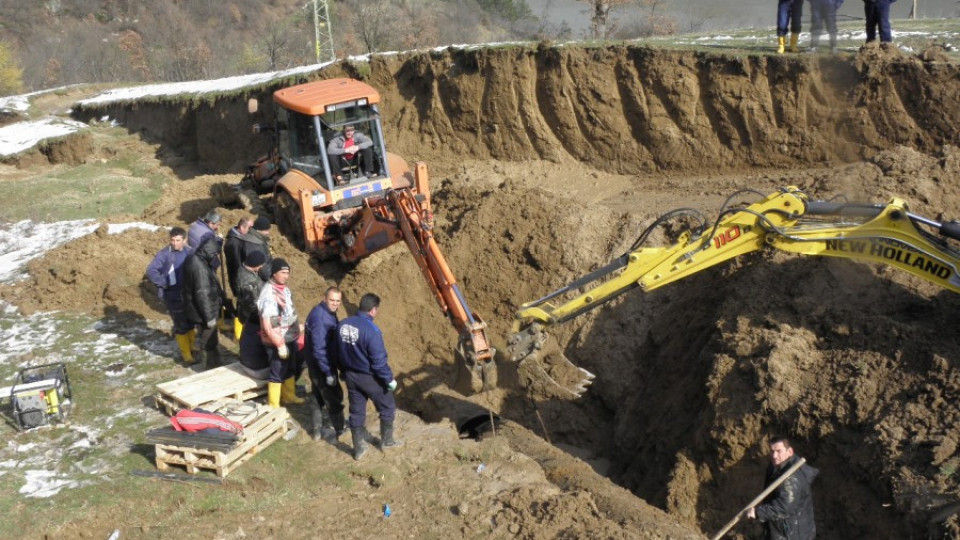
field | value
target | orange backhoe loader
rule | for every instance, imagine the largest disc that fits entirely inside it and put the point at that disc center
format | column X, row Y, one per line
column 334, row 207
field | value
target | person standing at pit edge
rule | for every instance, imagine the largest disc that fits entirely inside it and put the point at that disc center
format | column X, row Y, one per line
column 321, row 351
column 166, row 272
column 877, row 13
column 787, row 513
column 789, row 14
column 823, row 13
column 363, row 358
column 280, row 331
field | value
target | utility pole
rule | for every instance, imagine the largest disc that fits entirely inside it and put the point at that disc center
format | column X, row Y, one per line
column 913, row 11
column 322, row 34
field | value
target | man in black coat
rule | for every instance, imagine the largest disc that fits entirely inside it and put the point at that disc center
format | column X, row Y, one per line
column 258, row 239
column 788, row 511
column 203, row 298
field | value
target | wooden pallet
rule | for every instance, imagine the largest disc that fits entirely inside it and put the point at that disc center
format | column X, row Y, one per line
column 209, row 389
column 258, row 435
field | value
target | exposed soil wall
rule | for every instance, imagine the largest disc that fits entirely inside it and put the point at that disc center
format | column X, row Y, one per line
column 622, row 109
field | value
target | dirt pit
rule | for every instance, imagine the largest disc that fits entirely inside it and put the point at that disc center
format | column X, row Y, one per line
column 854, row 361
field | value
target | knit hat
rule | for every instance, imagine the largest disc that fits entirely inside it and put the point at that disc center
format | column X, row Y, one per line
column 277, row 265
column 212, row 217
column 261, row 224
column 255, row 259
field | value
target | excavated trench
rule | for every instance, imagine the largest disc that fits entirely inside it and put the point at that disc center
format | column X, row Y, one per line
column 549, row 162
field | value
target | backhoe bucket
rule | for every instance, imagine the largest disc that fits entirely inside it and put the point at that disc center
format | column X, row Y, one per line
column 474, row 375
column 543, row 368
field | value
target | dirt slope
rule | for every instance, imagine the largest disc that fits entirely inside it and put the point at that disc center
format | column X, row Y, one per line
column 855, row 361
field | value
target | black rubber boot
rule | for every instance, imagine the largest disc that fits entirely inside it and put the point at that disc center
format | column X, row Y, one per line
column 316, row 418
column 326, row 430
column 359, row 442
column 339, row 423
column 386, row 435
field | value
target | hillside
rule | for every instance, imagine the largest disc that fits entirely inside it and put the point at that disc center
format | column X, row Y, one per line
column 547, row 162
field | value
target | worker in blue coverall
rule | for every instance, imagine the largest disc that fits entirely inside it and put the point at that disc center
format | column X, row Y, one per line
column 789, row 14
column 363, row 359
column 321, row 350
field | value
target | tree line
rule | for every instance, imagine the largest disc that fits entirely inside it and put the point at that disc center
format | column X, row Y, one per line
column 60, row 42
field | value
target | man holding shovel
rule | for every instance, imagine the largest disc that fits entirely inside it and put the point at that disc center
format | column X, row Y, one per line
column 787, row 512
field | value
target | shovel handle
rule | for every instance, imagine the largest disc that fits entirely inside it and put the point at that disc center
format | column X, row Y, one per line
column 783, row 478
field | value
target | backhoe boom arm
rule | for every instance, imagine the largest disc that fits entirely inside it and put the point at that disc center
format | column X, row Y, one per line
column 787, row 220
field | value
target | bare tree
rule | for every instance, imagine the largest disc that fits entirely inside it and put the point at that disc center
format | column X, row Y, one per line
column 601, row 27
column 373, row 22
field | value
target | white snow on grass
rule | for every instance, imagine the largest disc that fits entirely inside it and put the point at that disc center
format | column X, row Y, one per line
column 43, row 484
column 21, row 136
column 25, row 240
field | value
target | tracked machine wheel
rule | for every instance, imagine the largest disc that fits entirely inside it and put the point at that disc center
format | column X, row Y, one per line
column 289, row 219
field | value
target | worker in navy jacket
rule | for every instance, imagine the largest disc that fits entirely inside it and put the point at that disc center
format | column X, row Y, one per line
column 363, row 359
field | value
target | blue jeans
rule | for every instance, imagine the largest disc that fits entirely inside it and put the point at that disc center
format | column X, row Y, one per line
column 878, row 15
column 789, row 13
column 360, row 388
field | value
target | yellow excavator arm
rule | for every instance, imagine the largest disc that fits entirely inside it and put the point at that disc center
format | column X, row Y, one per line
column 787, row 220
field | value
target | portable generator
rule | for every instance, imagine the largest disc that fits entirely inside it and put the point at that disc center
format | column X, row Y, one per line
column 40, row 395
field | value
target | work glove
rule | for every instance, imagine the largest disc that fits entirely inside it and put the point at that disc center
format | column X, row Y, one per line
column 331, row 380
column 392, row 385
column 283, row 351
column 212, row 323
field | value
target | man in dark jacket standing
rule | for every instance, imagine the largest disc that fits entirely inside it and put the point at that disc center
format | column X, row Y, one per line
column 321, row 349
column 203, row 298
column 233, row 256
column 363, row 358
column 166, row 272
column 258, row 239
column 253, row 354
column 788, row 511
column 232, row 248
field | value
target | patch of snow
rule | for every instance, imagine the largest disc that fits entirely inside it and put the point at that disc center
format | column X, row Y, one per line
column 117, row 228
column 25, row 240
column 21, row 136
column 42, row 484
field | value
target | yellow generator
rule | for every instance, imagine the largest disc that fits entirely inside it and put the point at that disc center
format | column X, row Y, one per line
column 40, row 396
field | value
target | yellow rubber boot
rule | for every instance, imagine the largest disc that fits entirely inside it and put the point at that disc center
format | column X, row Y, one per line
column 781, row 44
column 794, row 38
column 288, row 393
column 273, row 394
column 237, row 329
column 184, row 342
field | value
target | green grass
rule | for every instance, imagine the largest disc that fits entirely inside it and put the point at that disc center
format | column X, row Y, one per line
column 127, row 183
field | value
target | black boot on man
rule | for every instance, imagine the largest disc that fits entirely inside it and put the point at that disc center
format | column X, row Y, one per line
column 359, row 442
column 339, row 423
column 386, row 435
column 326, row 431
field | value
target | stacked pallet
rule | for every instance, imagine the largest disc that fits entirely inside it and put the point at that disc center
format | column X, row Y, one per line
column 227, row 391
column 257, row 435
